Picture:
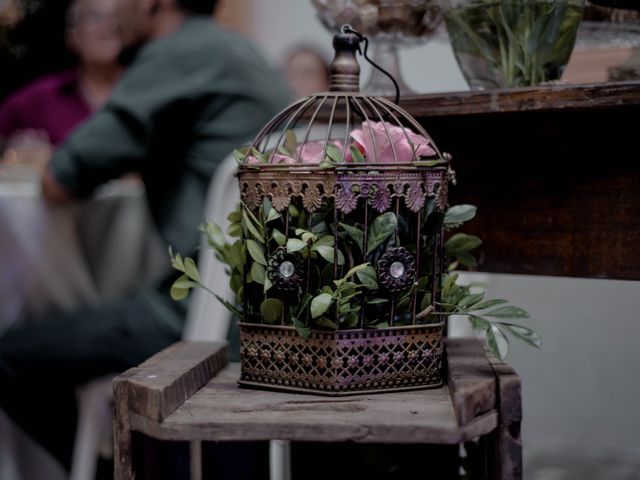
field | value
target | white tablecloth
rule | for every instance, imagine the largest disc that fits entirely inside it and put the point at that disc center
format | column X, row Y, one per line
column 59, row 258
column 54, row 259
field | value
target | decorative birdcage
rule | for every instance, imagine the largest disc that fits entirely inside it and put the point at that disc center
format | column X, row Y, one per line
column 343, row 197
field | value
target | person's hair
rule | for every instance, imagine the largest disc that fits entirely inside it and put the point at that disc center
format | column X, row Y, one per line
column 198, row 6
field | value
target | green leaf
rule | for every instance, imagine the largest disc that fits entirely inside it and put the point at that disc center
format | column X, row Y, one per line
column 525, row 334
column 267, row 285
column 176, row 261
column 290, row 141
column 191, row 270
column 426, row 301
column 350, row 273
column 293, row 211
column 368, row 277
column 326, row 164
column 215, row 237
column 320, row 304
column 356, row 155
column 178, row 293
column 252, row 224
column 469, row 301
column 302, row 304
column 273, row 215
column 234, row 230
column 306, row 236
column 351, row 320
column 184, row 282
column 295, row 245
column 489, row 304
column 497, row 341
column 325, row 322
column 450, row 282
column 380, row 230
column 384, row 324
column 301, row 328
column 235, row 216
column 256, row 252
column 240, row 154
column 356, row 234
column 459, row 214
column 258, row 273
column 334, row 154
column 461, row 242
column 328, row 254
column 466, row 259
column 376, row 300
column 507, row 312
column 271, row 309
column 279, row 237
column 324, row 240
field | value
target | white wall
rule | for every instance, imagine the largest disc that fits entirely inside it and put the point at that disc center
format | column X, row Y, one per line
column 580, row 390
column 278, row 25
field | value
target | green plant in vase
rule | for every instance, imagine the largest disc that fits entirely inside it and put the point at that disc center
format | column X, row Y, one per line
column 512, row 43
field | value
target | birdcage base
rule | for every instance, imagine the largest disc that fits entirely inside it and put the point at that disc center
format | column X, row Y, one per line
column 345, row 362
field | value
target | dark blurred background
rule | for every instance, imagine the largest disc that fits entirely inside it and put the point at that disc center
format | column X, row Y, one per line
column 36, row 45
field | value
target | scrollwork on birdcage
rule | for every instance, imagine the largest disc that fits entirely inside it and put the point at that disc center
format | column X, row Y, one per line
column 342, row 362
column 281, row 186
column 413, row 185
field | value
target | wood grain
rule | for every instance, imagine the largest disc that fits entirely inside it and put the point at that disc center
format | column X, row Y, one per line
column 471, row 380
column 168, row 379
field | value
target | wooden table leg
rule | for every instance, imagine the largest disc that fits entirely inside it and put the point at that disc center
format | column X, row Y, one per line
column 507, row 440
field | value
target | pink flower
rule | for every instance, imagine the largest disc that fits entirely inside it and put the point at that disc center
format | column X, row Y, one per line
column 384, row 135
column 314, row 152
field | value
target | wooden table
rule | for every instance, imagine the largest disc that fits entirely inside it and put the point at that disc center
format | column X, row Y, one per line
column 189, row 392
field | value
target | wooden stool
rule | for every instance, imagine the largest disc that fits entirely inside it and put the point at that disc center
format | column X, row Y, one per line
column 188, row 392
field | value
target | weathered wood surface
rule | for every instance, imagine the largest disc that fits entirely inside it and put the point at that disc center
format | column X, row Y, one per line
column 472, row 384
column 165, row 381
column 554, row 172
column 157, row 387
column 222, row 411
column 532, row 99
column 507, row 440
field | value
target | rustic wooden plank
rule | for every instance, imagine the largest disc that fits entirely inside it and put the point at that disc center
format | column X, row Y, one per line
column 531, row 99
column 557, row 190
column 507, row 439
column 123, row 459
column 471, row 380
column 222, row 411
column 166, row 380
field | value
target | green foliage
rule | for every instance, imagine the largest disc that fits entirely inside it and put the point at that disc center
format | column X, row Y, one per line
column 327, row 302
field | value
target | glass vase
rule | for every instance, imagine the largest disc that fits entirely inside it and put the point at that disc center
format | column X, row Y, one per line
column 512, row 43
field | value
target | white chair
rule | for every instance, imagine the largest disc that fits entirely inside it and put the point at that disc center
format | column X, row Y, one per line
column 207, row 319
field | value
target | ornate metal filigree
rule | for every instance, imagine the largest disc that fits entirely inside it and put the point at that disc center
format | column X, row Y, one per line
column 342, row 362
column 397, row 269
column 285, row 270
column 414, row 185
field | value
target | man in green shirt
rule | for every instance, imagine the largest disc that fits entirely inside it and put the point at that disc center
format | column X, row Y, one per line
column 192, row 94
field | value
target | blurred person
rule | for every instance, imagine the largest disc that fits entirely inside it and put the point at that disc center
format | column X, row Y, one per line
column 192, row 93
column 40, row 116
column 306, row 71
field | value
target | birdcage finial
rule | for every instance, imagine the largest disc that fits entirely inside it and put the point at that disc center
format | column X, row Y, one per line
column 345, row 70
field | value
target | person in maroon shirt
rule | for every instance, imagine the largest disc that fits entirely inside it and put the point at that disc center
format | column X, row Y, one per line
column 42, row 114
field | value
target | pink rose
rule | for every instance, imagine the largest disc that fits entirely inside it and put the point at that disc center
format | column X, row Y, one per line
column 313, row 152
column 404, row 143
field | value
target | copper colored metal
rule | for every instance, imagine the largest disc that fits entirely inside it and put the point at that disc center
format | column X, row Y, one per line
column 343, row 362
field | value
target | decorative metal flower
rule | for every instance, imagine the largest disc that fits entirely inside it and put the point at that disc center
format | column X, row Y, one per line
column 285, row 270
column 397, row 269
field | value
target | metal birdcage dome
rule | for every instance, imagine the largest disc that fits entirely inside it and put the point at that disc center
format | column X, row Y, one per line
column 343, row 197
